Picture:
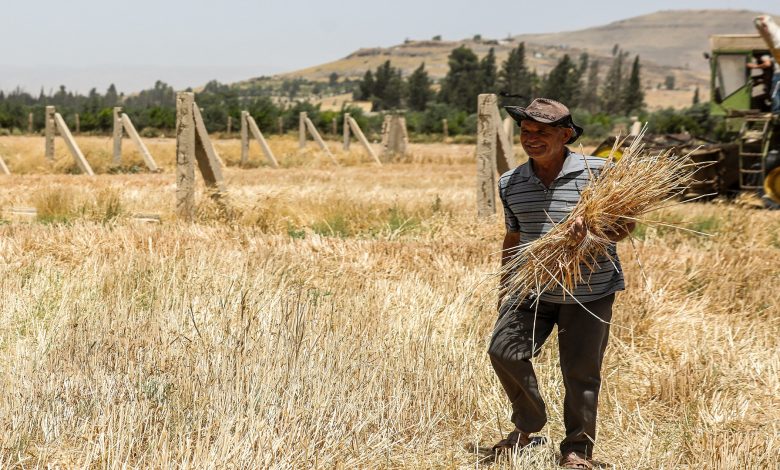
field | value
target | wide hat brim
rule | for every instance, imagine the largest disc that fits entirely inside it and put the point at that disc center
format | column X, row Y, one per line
column 519, row 114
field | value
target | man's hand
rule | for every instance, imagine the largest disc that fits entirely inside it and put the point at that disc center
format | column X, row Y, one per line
column 578, row 231
column 622, row 233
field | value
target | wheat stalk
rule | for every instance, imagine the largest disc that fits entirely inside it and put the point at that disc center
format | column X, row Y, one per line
column 623, row 192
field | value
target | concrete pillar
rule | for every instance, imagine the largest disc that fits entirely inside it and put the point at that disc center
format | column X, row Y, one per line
column 3, row 167
column 244, row 138
column 317, row 138
column 509, row 129
column 302, row 130
column 505, row 151
column 127, row 124
column 404, row 132
column 486, row 155
column 346, row 132
column 229, row 125
column 445, row 129
column 209, row 163
column 334, row 126
column 49, row 121
column 261, row 140
column 75, row 151
column 185, row 156
column 636, row 126
column 281, row 125
column 117, row 135
column 394, row 136
column 78, row 124
column 30, row 123
column 362, row 138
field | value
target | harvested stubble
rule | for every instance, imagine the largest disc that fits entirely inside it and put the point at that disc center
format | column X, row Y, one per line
column 621, row 194
column 128, row 345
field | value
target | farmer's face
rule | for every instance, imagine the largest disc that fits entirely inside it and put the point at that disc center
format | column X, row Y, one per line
column 543, row 142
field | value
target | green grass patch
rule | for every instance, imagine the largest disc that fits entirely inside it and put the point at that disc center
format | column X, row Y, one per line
column 399, row 221
column 295, row 233
column 334, row 225
column 708, row 225
column 640, row 232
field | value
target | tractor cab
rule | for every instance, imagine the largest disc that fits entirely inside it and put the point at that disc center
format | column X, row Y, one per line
column 743, row 96
column 736, row 89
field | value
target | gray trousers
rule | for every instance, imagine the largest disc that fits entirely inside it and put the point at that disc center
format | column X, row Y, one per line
column 582, row 340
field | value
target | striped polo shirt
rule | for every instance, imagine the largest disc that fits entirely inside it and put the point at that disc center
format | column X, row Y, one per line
column 532, row 209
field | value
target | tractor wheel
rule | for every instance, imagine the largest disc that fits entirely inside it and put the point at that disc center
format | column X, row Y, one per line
column 605, row 149
column 772, row 189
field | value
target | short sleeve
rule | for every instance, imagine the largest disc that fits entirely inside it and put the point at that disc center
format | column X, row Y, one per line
column 510, row 220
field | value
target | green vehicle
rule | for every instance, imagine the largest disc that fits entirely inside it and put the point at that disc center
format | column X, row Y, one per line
column 743, row 96
column 747, row 161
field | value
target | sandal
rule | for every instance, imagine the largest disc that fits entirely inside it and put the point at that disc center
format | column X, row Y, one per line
column 575, row 460
column 517, row 440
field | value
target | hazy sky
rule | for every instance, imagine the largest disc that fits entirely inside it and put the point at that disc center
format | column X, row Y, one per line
column 83, row 43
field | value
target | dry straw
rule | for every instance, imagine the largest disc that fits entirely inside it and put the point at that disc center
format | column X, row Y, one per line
column 638, row 183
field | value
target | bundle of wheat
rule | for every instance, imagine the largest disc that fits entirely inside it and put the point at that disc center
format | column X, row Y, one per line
column 623, row 192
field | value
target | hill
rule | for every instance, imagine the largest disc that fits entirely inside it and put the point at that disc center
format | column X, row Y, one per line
column 669, row 43
column 674, row 38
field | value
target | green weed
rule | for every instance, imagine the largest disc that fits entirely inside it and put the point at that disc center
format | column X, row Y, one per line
column 335, row 225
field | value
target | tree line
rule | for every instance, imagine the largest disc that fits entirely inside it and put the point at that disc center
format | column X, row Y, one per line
column 597, row 99
column 575, row 83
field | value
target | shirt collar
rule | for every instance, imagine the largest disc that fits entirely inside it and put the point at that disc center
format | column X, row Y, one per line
column 572, row 163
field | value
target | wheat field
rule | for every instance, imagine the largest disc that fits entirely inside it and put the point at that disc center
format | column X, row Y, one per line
column 338, row 317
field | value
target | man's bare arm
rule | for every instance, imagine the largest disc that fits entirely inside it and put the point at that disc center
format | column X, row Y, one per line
column 764, row 64
column 508, row 249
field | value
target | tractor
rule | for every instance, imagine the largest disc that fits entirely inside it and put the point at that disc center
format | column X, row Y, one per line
column 747, row 159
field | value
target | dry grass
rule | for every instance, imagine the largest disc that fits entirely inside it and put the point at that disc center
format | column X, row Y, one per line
column 25, row 155
column 261, row 339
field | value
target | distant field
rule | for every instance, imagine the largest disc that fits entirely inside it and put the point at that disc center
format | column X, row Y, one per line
column 338, row 317
column 654, row 99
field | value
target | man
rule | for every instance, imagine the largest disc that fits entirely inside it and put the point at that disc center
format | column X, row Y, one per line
column 765, row 62
column 536, row 196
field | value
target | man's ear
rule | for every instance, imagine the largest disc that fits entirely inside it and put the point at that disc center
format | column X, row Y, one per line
column 568, row 133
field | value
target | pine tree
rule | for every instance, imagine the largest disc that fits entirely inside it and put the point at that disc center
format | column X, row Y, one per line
column 365, row 87
column 582, row 66
column 488, row 71
column 394, row 91
column 696, row 96
column 112, row 98
column 419, row 87
column 514, row 77
column 382, row 78
column 633, row 96
column 388, row 87
column 462, row 84
column 562, row 84
column 611, row 93
column 536, row 85
column 589, row 100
